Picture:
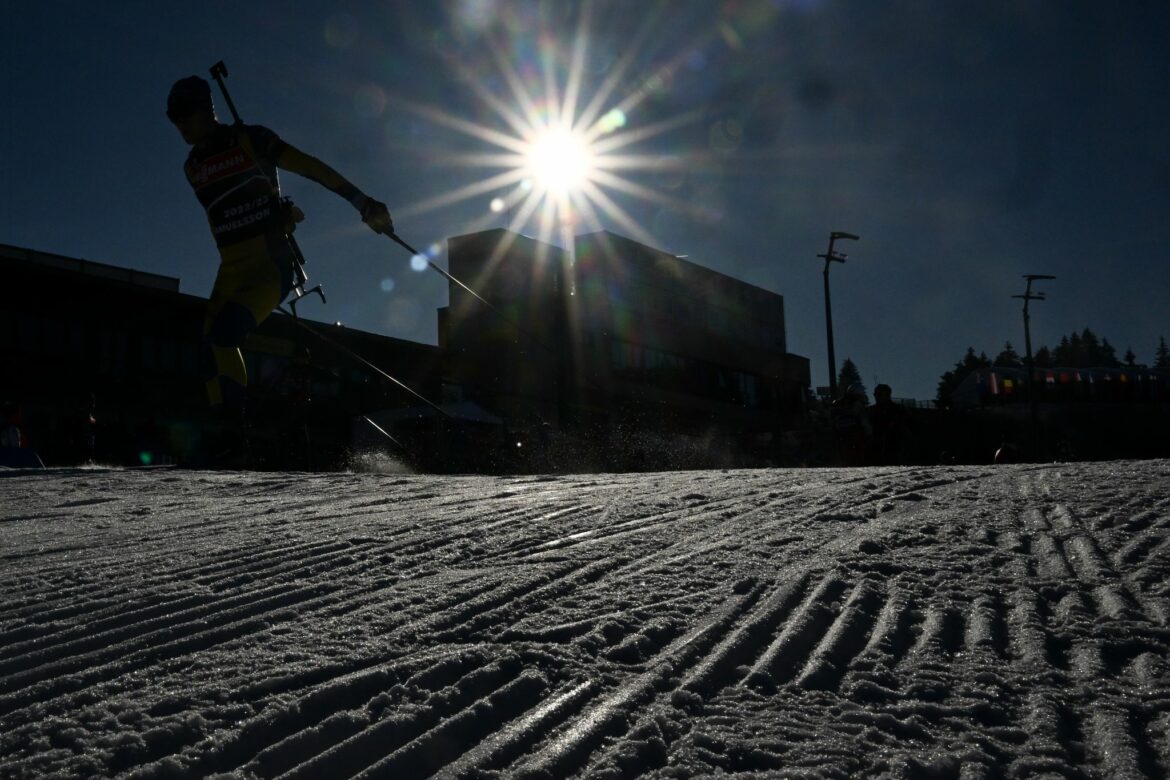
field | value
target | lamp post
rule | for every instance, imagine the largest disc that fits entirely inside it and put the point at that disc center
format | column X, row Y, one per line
column 833, row 257
column 1028, row 297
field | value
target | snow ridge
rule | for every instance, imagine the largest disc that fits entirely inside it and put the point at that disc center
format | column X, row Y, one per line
column 946, row 622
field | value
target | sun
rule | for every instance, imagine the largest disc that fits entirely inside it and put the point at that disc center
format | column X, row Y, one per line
column 561, row 151
column 559, row 160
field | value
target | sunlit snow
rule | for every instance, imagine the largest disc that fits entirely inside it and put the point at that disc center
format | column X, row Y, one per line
column 955, row 622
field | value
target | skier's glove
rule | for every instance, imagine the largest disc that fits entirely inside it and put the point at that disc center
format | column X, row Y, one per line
column 375, row 214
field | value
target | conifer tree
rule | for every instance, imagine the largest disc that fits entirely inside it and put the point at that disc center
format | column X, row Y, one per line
column 1062, row 355
column 949, row 381
column 1082, row 349
column 1008, row 357
column 849, row 376
column 1162, row 355
column 1090, row 349
column 1108, row 355
column 1076, row 351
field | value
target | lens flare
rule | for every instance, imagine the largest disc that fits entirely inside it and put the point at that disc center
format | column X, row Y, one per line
column 613, row 120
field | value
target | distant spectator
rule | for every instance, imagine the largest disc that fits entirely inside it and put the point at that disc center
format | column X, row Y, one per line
column 890, row 426
column 10, row 433
column 15, row 448
column 81, row 430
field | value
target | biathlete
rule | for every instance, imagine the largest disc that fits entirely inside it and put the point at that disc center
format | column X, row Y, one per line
column 233, row 170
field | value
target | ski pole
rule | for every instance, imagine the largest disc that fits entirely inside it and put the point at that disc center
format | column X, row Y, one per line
column 355, row 356
column 382, row 431
column 398, row 240
column 520, row 329
column 219, row 72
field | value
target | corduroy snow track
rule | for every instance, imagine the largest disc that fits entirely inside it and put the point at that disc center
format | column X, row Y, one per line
column 956, row 622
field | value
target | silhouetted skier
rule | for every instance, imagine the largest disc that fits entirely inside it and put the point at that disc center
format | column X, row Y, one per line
column 81, row 430
column 10, row 433
column 890, row 425
column 232, row 169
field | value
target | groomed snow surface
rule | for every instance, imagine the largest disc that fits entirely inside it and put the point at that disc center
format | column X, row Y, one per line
column 922, row 622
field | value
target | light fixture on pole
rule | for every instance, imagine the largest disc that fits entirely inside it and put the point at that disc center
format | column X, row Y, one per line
column 833, row 257
column 1028, row 297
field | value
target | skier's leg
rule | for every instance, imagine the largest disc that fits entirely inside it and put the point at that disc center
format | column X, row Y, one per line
column 225, row 373
column 254, row 277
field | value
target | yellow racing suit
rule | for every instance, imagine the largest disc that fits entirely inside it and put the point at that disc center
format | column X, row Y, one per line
column 234, row 175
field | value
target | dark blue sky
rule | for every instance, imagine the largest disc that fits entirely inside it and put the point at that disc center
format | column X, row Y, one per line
column 966, row 143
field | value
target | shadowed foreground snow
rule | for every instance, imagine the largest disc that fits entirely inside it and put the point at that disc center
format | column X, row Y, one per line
column 946, row 622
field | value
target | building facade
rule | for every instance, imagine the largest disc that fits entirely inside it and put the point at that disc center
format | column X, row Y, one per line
column 503, row 340
column 620, row 342
column 82, row 339
column 622, row 351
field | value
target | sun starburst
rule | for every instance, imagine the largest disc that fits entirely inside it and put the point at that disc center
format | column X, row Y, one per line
column 563, row 151
column 559, row 160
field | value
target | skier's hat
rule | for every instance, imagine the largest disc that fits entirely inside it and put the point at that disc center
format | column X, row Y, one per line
column 188, row 96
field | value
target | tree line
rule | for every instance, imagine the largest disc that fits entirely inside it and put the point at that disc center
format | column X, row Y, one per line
column 1076, row 350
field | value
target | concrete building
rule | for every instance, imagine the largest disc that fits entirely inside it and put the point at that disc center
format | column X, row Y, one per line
column 627, row 352
column 619, row 339
column 507, row 355
column 76, row 333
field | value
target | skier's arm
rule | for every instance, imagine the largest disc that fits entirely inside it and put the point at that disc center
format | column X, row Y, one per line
column 374, row 213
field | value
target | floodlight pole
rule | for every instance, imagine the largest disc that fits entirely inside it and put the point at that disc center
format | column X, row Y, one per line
column 1028, row 297
column 833, row 257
